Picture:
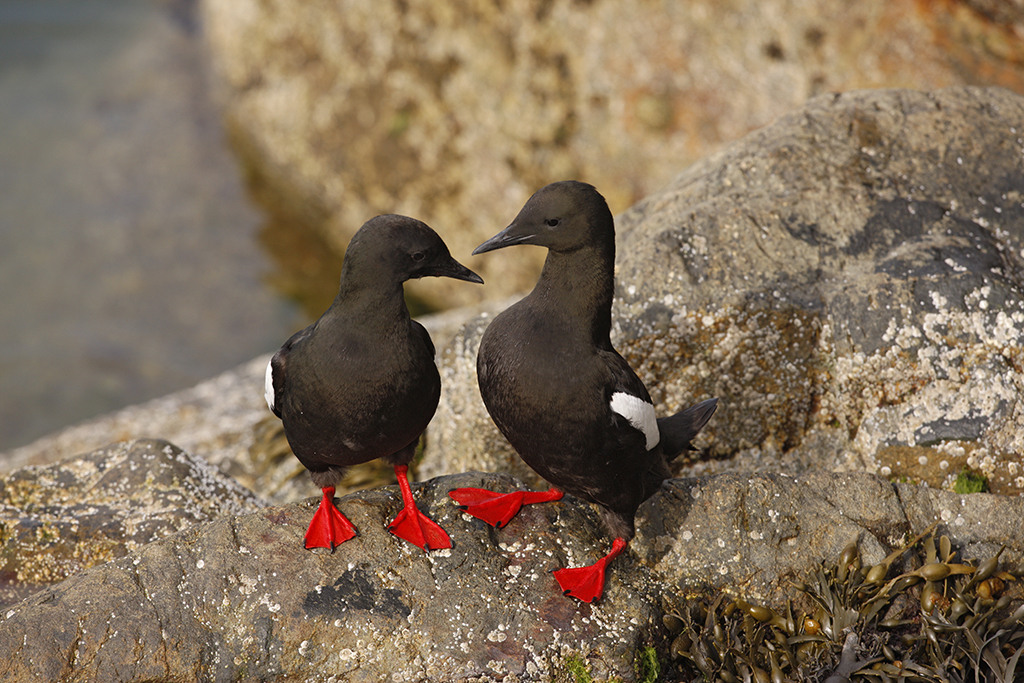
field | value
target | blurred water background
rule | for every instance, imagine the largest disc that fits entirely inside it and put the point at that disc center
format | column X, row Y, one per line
column 130, row 263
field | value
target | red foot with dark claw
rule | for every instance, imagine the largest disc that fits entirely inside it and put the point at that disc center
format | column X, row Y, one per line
column 498, row 508
column 412, row 525
column 587, row 583
column 329, row 528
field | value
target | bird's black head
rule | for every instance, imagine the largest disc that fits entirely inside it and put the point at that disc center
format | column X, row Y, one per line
column 402, row 248
column 562, row 216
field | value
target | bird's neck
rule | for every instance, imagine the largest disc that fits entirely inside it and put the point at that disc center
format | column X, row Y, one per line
column 582, row 283
column 382, row 302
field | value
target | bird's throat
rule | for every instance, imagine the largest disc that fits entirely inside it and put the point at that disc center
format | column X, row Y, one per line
column 581, row 282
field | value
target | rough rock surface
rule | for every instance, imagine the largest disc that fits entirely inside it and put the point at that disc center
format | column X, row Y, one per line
column 88, row 510
column 239, row 599
column 456, row 112
column 848, row 281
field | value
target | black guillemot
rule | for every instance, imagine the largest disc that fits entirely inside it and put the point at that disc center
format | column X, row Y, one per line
column 569, row 404
column 360, row 383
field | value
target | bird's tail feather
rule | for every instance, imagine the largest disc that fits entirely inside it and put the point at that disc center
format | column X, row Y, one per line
column 679, row 430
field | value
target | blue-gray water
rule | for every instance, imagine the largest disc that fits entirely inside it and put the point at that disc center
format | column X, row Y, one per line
column 129, row 265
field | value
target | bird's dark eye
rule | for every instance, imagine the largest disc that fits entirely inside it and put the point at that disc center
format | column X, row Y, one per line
column 418, row 256
column 551, row 222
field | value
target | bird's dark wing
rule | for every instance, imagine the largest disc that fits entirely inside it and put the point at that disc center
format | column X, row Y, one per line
column 422, row 332
column 277, row 379
column 623, row 377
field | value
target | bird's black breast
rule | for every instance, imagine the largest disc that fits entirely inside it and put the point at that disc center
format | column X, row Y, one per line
column 548, row 391
column 353, row 395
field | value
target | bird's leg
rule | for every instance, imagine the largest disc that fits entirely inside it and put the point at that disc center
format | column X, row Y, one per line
column 587, row 583
column 498, row 508
column 412, row 525
column 329, row 528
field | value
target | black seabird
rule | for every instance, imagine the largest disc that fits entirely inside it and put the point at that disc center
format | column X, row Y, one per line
column 360, row 383
column 556, row 388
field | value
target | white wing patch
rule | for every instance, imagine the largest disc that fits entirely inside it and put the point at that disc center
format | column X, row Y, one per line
column 268, row 386
column 640, row 414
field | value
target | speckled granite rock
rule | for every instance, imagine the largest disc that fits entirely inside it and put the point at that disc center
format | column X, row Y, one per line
column 848, row 281
column 88, row 510
column 239, row 599
column 456, row 112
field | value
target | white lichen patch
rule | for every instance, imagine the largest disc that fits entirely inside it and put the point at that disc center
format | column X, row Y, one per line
column 955, row 366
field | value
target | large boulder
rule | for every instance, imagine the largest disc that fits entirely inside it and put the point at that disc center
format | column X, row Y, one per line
column 456, row 112
column 848, row 281
column 239, row 599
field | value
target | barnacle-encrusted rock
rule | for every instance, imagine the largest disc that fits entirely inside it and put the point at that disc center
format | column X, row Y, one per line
column 238, row 598
column 751, row 534
column 88, row 510
column 847, row 280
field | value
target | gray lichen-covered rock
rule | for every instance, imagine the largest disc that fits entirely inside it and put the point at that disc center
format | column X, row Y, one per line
column 456, row 112
column 240, row 599
column 848, row 281
column 85, row 511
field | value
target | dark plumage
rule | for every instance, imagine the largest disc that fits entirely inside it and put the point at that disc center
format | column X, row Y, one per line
column 568, row 403
column 360, row 383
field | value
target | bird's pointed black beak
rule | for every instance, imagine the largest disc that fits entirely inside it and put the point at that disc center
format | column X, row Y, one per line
column 456, row 271
column 508, row 237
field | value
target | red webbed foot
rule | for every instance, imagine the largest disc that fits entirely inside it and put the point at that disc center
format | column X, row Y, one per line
column 328, row 528
column 412, row 525
column 587, row 583
column 497, row 509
